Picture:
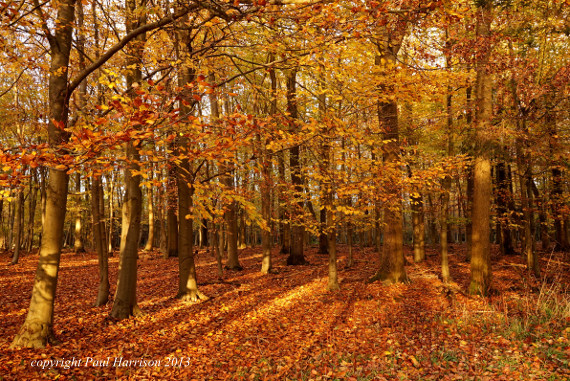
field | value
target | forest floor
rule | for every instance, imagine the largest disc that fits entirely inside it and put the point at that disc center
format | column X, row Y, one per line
column 287, row 326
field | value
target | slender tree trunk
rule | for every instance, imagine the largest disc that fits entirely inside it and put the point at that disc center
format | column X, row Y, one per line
column 150, row 200
column 187, row 281
column 348, row 203
column 81, row 94
column 284, row 217
column 296, row 253
column 418, row 226
column 266, row 265
column 532, row 259
column 231, row 219
column 125, row 303
column 43, row 199
column 469, row 175
column 32, row 210
column 204, row 242
column 444, row 216
column 78, row 246
column 18, row 228
column 323, row 236
column 284, row 227
column 266, row 186
column 100, row 241
column 161, row 214
column 11, row 214
column 171, row 217
column 217, row 249
column 558, row 200
column 503, row 200
column 110, row 179
column 481, row 212
column 330, row 219
column 37, row 329
column 542, row 216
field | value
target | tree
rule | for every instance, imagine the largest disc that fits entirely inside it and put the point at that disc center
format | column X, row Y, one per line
column 391, row 268
column 481, row 209
column 37, row 330
column 296, row 255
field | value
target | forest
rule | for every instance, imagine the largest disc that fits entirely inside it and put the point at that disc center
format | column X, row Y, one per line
column 285, row 189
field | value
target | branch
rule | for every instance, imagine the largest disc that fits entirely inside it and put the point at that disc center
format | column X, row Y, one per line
column 13, row 84
column 41, row 15
column 36, row 6
column 121, row 44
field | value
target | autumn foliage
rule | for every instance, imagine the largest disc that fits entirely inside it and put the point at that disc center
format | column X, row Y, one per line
column 285, row 189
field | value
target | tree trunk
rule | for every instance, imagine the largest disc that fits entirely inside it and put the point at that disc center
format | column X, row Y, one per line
column 125, row 304
column 32, row 210
column 110, row 179
column 469, row 175
column 37, row 329
column 266, row 186
column 323, row 236
column 482, row 187
column 282, row 203
column 348, row 203
column 503, row 200
column 78, row 246
column 231, row 219
column 296, row 253
column 391, row 268
column 542, row 216
column 446, row 185
column 204, row 242
column 100, row 241
column 150, row 202
column 558, row 199
column 171, row 218
column 230, row 216
column 187, row 281
column 161, row 214
column 469, row 214
column 418, row 224
column 443, row 234
column 18, row 228
column 330, row 219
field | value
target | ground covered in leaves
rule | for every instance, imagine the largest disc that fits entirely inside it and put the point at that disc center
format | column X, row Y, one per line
column 287, row 326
